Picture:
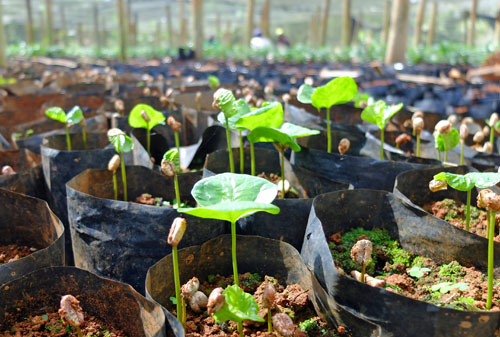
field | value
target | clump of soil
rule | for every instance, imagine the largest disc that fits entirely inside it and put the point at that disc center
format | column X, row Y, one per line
column 14, row 252
column 448, row 285
column 50, row 324
column 291, row 299
column 148, row 199
column 454, row 212
column 275, row 179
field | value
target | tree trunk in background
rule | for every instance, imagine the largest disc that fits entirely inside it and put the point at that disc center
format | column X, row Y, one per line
column 472, row 23
column 197, row 19
column 79, row 33
column 432, row 24
column 182, row 23
column 64, row 26
column 97, row 38
column 324, row 22
column 122, row 30
column 249, row 21
column 264, row 23
column 157, row 38
column 218, row 27
column 497, row 25
column 346, row 23
column 170, row 31
column 30, row 36
column 50, row 28
column 136, row 29
column 385, row 24
column 104, row 32
column 418, row 23
column 398, row 32
column 2, row 38
column 227, row 34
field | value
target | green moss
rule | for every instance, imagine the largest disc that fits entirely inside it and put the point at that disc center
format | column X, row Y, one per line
column 309, row 325
column 252, row 281
column 452, row 270
column 211, row 278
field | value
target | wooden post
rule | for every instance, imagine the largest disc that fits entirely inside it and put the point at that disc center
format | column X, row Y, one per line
column 387, row 18
column 249, row 22
column 313, row 30
column 122, row 29
column 418, row 23
column 182, row 23
column 79, row 33
column 157, row 37
column 218, row 27
column 2, row 38
column 497, row 25
column 264, row 18
column 97, row 39
column 136, row 28
column 357, row 28
column 346, row 23
column 50, row 31
column 170, row 31
column 197, row 20
column 29, row 23
column 64, row 26
column 398, row 32
column 472, row 23
column 324, row 23
column 432, row 24
column 104, row 32
column 227, row 34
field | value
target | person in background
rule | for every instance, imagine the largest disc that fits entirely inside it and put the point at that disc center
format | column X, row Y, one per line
column 259, row 42
column 283, row 42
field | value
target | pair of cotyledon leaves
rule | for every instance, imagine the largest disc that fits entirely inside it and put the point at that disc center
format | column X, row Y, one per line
column 74, row 116
column 466, row 182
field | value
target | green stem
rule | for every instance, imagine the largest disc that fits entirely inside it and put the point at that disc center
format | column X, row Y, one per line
column 491, row 246
column 242, row 155
column 84, row 137
column 233, row 252
column 445, row 156
column 184, row 315
column 418, row 145
column 240, row 329
column 328, row 131
column 467, row 211
column 462, row 152
column 439, row 155
column 124, row 177
column 148, row 140
column 177, row 282
column 79, row 332
column 115, row 186
column 229, row 150
column 177, row 192
column 269, row 321
column 363, row 271
column 397, row 146
column 492, row 137
column 381, row 144
column 68, row 139
column 252, row 159
column 282, row 154
column 177, row 144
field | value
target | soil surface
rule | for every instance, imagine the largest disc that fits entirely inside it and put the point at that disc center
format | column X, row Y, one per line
column 275, row 179
column 50, row 324
column 454, row 212
column 148, row 199
column 291, row 299
column 14, row 252
column 448, row 285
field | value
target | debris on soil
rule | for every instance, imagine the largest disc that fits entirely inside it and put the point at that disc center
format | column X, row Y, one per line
column 290, row 192
column 148, row 199
column 14, row 252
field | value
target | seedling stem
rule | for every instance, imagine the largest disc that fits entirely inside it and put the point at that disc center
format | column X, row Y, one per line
column 252, row 159
column 467, row 214
column 115, row 186
column 242, row 155
column 382, row 144
column 328, row 131
column 68, row 139
column 491, row 246
column 177, row 193
column 177, row 282
column 418, row 145
column 229, row 149
column 282, row 155
column 124, row 177
column 233, row 252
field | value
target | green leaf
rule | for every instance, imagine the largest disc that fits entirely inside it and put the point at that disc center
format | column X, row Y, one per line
column 270, row 114
column 225, row 101
column 484, row 179
column 497, row 125
column 45, row 317
column 214, row 82
column 122, row 143
column 446, row 287
column 418, row 272
column 135, row 119
column 466, row 182
column 56, row 113
column 173, row 156
column 379, row 113
column 173, row 300
column 240, row 306
column 74, row 116
column 447, row 141
column 231, row 196
column 266, row 134
column 242, row 108
column 304, row 94
column 296, row 131
column 338, row 91
column 361, row 97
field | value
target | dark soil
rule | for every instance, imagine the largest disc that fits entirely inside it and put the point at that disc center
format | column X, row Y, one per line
column 275, row 179
column 14, row 252
column 454, row 212
column 148, row 199
column 448, row 285
column 51, row 324
column 291, row 299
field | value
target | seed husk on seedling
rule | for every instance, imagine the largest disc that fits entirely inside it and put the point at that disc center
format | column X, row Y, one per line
column 7, row 170
column 113, row 165
column 268, row 302
column 464, row 133
column 73, row 117
column 170, row 166
column 177, row 230
column 144, row 116
column 418, row 126
column 344, row 146
column 492, row 122
column 71, row 313
column 176, row 127
column 122, row 144
column 361, row 253
column 446, row 138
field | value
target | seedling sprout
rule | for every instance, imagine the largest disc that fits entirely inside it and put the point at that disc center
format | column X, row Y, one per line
column 122, row 144
column 74, row 116
column 145, row 117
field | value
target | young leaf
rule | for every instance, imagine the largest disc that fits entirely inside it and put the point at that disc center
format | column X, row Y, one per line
column 448, row 141
column 242, row 108
column 466, row 182
column 270, row 114
column 297, row 131
column 380, row 113
column 173, row 156
column 266, row 134
column 136, row 120
column 225, row 101
column 304, row 94
column 360, row 98
column 230, row 196
column 214, row 82
column 338, row 91
column 56, row 113
column 418, row 272
column 484, row 179
column 74, row 116
column 240, row 306
column 122, row 143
